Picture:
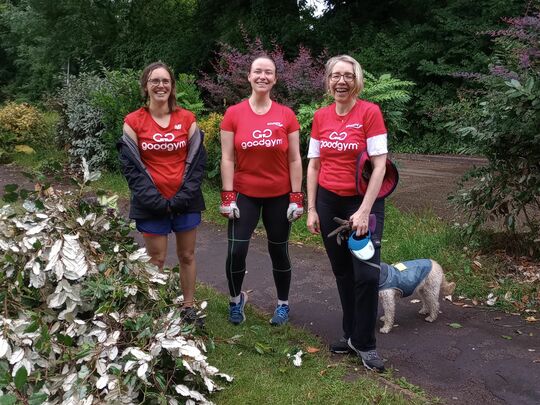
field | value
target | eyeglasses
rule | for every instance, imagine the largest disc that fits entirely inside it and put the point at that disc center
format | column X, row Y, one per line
column 156, row 82
column 348, row 77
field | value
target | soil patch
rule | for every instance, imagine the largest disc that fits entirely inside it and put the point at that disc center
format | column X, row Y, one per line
column 426, row 182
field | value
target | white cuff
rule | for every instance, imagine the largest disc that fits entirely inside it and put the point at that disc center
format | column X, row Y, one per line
column 314, row 150
column 377, row 145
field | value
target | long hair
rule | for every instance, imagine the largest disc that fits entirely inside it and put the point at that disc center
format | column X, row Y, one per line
column 171, row 102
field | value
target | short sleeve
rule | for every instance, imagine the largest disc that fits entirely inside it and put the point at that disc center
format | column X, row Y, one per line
column 292, row 121
column 228, row 122
column 315, row 127
column 373, row 122
column 190, row 117
column 376, row 137
column 133, row 120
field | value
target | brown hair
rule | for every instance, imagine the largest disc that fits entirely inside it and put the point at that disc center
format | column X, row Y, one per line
column 144, row 82
column 263, row 56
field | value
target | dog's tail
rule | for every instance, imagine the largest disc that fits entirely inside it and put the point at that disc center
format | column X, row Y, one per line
column 446, row 287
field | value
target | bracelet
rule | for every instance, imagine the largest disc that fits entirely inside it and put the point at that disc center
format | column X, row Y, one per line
column 310, row 208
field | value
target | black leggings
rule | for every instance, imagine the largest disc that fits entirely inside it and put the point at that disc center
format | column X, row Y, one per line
column 274, row 216
column 357, row 282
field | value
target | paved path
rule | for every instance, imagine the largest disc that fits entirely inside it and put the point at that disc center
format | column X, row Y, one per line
column 470, row 365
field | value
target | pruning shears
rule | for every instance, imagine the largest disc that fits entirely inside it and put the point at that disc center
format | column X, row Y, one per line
column 342, row 232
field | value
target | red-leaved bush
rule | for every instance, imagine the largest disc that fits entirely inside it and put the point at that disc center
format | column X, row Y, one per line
column 299, row 81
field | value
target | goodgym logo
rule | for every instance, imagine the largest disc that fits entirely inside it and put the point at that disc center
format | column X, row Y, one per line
column 168, row 137
column 261, row 140
column 164, row 142
column 257, row 134
column 334, row 136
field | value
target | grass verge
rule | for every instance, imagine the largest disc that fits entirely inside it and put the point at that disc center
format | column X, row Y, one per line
column 256, row 354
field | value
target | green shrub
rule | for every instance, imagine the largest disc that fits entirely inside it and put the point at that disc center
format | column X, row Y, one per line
column 503, row 126
column 118, row 95
column 92, row 109
column 81, row 121
column 212, row 142
column 188, row 95
column 22, row 124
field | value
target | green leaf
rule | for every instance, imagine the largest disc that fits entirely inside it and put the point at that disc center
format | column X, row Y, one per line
column 24, row 193
column 5, row 376
column 455, row 325
column 10, row 197
column 262, row 348
column 37, row 398
column 65, row 339
column 161, row 381
column 506, row 337
column 10, row 188
column 20, row 378
column 32, row 327
column 85, row 351
column 8, row 399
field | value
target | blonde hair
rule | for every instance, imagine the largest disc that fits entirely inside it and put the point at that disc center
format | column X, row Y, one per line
column 357, row 69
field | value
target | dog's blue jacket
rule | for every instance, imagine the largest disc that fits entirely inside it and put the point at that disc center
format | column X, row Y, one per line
column 404, row 276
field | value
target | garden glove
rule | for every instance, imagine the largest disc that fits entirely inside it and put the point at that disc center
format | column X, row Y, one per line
column 296, row 206
column 228, row 207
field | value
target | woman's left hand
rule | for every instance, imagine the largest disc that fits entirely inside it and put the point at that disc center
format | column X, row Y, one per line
column 360, row 222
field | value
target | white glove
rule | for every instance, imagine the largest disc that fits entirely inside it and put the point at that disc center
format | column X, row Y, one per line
column 230, row 211
column 228, row 207
column 294, row 212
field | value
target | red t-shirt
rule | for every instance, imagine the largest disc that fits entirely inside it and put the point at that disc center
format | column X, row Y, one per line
column 342, row 139
column 261, row 146
column 163, row 149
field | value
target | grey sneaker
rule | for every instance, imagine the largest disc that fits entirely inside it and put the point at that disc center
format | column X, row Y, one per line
column 236, row 311
column 370, row 359
column 190, row 316
column 340, row 347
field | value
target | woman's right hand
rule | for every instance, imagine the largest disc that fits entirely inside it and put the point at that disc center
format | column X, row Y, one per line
column 313, row 224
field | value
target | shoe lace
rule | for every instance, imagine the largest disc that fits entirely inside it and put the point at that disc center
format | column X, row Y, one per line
column 371, row 355
column 236, row 309
column 281, row 311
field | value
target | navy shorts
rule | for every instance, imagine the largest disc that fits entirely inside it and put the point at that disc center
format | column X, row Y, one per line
column 164, row 226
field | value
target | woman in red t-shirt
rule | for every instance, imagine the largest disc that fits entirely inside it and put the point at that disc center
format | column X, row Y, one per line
column 340, row 132
column 261, row 172
column 163, row 161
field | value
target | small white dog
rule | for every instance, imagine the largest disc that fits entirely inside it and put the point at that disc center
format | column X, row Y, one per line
column 424, row 276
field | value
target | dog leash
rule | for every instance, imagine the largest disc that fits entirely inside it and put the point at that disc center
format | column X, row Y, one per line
column 342, row 233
